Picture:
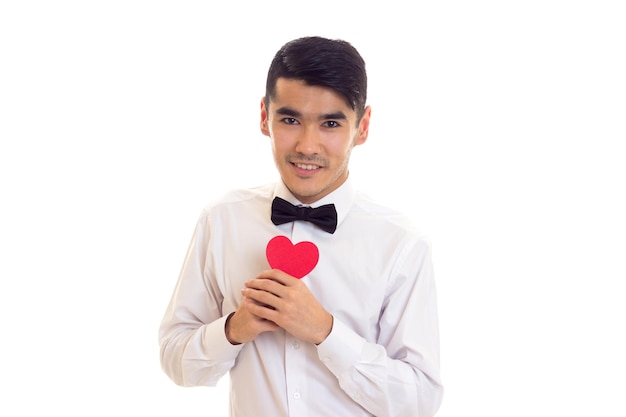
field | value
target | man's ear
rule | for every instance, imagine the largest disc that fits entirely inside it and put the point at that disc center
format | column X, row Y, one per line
column 264, row 119
column 364, row 127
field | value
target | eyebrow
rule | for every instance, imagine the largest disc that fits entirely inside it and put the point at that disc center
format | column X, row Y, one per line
column 287, row 111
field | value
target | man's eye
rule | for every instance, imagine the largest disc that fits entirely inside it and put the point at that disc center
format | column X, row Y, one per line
column 331, row 123
column 290, row 121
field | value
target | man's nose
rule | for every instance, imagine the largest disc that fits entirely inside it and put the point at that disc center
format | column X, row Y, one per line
column 309, row 140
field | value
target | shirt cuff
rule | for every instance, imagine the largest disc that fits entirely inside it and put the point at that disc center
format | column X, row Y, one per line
column 215, row 341
column 341, row 349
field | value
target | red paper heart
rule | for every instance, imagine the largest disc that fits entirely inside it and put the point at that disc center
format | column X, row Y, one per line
column 296, row 260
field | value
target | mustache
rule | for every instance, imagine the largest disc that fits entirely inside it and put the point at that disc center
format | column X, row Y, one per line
column 306, row 159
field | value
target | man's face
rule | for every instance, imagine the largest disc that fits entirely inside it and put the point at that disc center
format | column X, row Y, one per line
column 313, row 131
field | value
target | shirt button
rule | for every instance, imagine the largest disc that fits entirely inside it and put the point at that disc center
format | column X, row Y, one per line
column 296, row 395
column 296, row 345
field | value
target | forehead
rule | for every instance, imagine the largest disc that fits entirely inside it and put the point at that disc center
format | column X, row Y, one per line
column 308, row 99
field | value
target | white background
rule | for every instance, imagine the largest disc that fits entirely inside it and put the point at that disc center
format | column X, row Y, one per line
column 499, row 126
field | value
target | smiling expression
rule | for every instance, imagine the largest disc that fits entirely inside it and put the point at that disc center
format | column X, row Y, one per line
column 313, row 131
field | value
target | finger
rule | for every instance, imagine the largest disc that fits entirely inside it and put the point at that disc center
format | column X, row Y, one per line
column 278, row 276
column 261, row 297
column 263, row 312
column 267, row 285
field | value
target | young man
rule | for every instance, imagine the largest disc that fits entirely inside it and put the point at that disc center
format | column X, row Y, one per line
column 358, row 334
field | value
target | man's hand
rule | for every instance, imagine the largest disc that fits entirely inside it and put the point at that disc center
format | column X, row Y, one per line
column 243, row 326
column 275, row 298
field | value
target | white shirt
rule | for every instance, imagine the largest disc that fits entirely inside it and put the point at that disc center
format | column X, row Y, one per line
column 374, row 275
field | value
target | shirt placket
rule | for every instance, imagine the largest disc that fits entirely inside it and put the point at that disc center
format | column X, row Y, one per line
column 295, row 349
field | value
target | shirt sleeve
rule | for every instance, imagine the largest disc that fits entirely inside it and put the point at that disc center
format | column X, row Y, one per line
column 194, row 348
column 398, row 374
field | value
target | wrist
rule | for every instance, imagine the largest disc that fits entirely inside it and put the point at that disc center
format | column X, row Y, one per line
column 227, row 332
column 329, row 329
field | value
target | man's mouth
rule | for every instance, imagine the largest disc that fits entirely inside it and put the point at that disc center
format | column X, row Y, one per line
column 307, row 167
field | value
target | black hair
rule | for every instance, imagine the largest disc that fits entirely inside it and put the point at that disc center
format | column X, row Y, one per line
column 318, row 61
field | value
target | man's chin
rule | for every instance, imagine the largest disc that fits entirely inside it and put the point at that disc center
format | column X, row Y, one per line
column 306, row 195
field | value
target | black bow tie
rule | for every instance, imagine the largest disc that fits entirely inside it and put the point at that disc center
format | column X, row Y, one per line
column 325, row 217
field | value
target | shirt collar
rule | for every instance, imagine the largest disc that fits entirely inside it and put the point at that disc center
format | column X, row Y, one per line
column 343, row 198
